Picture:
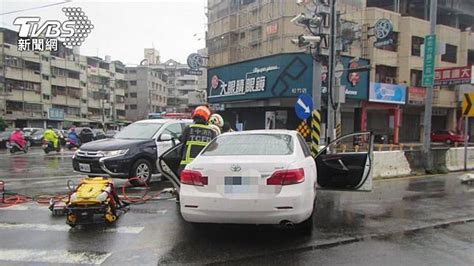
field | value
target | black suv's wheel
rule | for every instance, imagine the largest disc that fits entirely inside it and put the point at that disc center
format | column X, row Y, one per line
column 142, row 171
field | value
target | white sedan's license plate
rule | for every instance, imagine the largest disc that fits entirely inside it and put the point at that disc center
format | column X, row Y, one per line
column 237, row 185
column 83, row 167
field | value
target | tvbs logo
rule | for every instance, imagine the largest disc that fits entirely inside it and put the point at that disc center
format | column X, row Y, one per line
column 36, row 36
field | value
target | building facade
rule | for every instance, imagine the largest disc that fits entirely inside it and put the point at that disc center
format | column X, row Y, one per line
column 147, row 91
column 179, row 85
column 58, row 88
column 243, row 30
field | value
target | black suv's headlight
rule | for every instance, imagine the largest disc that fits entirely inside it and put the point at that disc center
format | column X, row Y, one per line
column 114, row 153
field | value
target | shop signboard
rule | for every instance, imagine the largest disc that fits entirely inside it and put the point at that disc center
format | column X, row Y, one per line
column 453, row 75
column 56, row 114
column 356, row 83
column 387, row 93
column 284, row 75
column 416, row 96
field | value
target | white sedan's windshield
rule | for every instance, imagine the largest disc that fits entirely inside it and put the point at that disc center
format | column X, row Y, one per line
column 139, row 131
column 250, row 144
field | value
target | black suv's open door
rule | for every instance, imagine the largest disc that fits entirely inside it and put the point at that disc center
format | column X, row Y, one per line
column 346, row 163
column 168, row 164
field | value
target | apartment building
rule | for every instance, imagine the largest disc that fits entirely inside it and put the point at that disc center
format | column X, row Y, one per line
column 58, row 88
column 240, row 31
column 179, row 85
column 147, row 91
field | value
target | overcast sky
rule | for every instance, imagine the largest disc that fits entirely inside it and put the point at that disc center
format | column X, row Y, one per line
column 123, row 28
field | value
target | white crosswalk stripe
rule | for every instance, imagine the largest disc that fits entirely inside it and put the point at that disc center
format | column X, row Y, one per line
column 53, row 256
column 66, row 228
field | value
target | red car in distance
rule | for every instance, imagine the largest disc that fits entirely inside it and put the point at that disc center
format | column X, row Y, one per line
column 446, row 136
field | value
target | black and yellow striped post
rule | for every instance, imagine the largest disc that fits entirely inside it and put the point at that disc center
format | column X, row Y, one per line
column 338, row 131
column 315, row 131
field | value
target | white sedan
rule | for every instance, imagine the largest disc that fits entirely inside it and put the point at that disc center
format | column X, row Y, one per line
column 262, row 177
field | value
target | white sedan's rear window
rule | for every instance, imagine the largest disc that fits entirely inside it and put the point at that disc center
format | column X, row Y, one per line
column 250, row 144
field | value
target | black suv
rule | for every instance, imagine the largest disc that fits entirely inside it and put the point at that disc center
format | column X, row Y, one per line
column 132, row 152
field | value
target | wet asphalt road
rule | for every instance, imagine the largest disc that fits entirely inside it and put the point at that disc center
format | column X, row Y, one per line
column 409, row 221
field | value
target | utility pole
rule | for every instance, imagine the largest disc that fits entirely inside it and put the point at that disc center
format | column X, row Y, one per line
column 102, row 98
column 332, row 77
column 429, row 98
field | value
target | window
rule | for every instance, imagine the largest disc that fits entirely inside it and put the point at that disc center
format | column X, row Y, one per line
column 250, row 144
column 45, row 77
column 174, row 130
column 133, row 82
column 242, row 35
column 131, row 71
column 14, row 106
column 392, row 47
column 385, row 74
column 126, row 107
column 256, row 35
column 416, row 43
column 304, row 146
column 58, row 72
column 33, row 107
column 133, row 95
column 13, row 61
column 44, row 58
column 415, row 77
column 133, row 107
column 451, row 54
column 139, row 131
column 46, row 97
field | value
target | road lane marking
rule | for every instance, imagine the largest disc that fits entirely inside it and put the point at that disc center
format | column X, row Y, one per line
column 53, row 256
column 13, row 179
column 66, row 228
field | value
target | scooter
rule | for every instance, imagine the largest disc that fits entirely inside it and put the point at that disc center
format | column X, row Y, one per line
column 71, row 144
column 14, row 147
column 48, row 146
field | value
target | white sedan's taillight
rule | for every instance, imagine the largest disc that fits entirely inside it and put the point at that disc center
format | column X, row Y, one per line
column 286, row 177
column 193, row 178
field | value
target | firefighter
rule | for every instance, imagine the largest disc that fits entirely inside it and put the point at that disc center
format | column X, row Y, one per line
column 196, row 136
column 216, row 122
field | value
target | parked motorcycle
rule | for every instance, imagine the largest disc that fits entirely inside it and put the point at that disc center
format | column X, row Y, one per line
column 48, row 146
column 14, row 147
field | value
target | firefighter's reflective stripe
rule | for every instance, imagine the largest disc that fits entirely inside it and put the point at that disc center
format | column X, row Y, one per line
column 197, row 142
column 200, row 126
column 189, row 146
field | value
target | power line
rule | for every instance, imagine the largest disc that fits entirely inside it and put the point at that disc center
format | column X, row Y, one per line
column 33, row 8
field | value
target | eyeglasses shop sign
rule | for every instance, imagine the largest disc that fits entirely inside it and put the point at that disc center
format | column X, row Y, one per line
column 286, row 75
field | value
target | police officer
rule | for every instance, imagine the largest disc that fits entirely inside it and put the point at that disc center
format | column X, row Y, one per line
column 196, row 136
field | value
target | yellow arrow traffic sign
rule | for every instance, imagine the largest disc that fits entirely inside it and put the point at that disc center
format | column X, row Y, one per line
column 467, row 104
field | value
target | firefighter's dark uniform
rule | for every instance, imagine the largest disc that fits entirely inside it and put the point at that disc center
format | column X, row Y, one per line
column 195, row 137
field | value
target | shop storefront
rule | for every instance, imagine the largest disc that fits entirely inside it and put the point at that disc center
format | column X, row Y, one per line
column 382, row 113
column 261, row 93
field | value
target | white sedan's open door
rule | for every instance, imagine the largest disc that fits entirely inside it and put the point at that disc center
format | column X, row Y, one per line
column 168, row 164
column 346, row 163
